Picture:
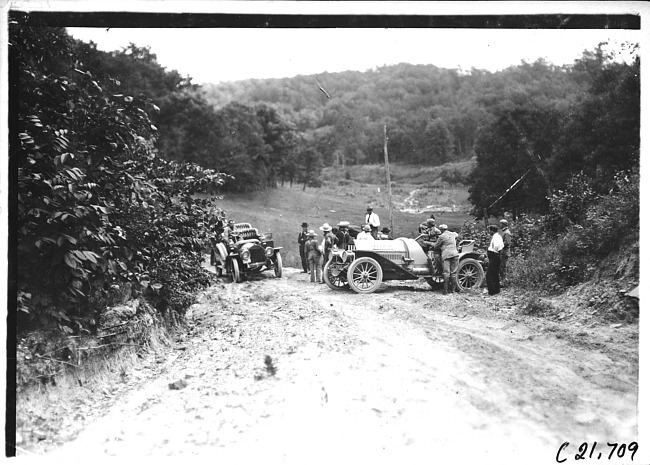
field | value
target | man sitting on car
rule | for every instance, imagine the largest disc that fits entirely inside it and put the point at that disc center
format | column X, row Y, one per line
column 427, row 241
column 365, row 234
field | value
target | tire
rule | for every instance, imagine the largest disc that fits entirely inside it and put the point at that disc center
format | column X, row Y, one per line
column 365, row 275
column 470, row 274
column 436, row 282
column 234, row 271
column 335, row 282
column 277, row 265
column 220, row 254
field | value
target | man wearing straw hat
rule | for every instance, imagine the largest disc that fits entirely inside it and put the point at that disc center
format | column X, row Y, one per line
column 328, row 242
column 365, row 234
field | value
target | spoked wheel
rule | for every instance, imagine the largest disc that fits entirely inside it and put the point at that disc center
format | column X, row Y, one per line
column 277, row 265
column 234, row 271
column 436, row 282
column 365, row 275
column 335, row 276
column 470, row 274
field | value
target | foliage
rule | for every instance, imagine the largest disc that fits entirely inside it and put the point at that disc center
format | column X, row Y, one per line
column 593, row 227
column 550, row 126
column 96, row 208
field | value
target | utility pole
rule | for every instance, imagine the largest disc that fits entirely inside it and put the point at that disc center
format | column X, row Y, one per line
column 390, row 190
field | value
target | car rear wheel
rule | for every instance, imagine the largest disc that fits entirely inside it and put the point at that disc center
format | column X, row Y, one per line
column 277, row 265
column 470, row 274
column 234, row 271
column 365, row 275
column 334, row 276
column 436, row 282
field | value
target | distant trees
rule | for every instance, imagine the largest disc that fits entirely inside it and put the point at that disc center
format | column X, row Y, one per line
column 534, row 118
column 584, row 119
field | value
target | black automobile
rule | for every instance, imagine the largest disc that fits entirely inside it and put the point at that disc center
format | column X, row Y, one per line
column 247, row 253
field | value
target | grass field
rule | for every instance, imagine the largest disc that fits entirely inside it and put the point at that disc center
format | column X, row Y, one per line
column 282, row 210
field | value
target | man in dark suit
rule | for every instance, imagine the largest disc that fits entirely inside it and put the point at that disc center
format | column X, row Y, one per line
column 303, row 237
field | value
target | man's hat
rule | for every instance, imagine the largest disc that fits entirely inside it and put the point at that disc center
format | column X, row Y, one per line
column 231, row 221
column 325, row 227
column 311, row 233
column 443, row 227
column 343, row 224
column 368, row 207
column 504, row 222
column 493, row 227
column 304, row 225
column 431, row 221
column 366, row 227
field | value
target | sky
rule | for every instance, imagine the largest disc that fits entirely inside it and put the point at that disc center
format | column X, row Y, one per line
column 229, row 54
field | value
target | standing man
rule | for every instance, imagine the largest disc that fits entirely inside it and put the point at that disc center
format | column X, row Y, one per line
column 505, row 252
column 373, row 220
column 343, row 238
column 494, row 266
column 328, row 242
column 303, row 237
column 312, row 250
column 449, row 255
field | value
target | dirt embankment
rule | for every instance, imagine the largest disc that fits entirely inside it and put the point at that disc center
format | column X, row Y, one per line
column 283, row 369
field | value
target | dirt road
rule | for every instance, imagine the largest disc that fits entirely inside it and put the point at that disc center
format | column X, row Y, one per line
column 286, row 370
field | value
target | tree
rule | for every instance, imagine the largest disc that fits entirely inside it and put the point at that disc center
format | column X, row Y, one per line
column 96, row 207
column 439, row 146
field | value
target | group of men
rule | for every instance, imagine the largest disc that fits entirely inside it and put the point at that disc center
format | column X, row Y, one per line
column 314, row 254
column 437, row 241
column 440, row 245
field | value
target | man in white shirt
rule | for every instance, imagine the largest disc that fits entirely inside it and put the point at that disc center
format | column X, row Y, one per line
column 365, row 234
column 494, row 266
column 373, row 220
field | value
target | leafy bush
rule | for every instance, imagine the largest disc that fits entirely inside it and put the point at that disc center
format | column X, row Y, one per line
column 96, row 207
column 566, row 246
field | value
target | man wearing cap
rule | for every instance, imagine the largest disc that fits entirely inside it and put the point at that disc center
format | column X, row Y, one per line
column 302, row 239
column 328, row 242
column 446, row 244
column 494, row 265
column 385, row 234
column 372, row 219
column 314, row 256
column 365, row 235
column 504, row 232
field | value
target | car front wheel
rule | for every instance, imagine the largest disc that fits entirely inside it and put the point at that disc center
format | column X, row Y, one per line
column 365, row 275
column 470, row 274
column 335, row 276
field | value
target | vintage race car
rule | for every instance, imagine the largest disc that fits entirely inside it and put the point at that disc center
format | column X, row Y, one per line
column 369, row 263
column 250, row 253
